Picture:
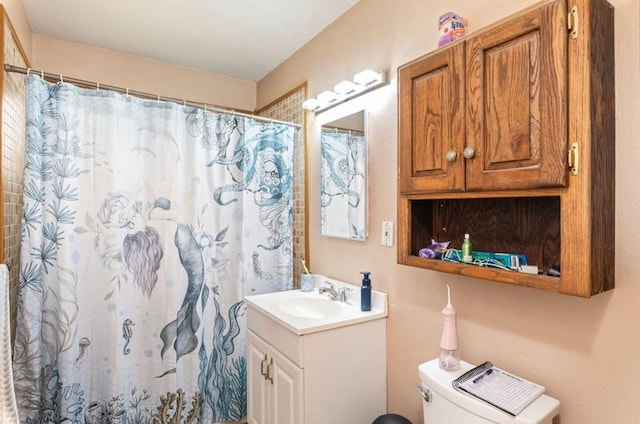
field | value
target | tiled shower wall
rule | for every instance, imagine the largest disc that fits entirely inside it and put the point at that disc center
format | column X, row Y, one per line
column 13, row 147
column 289, row 108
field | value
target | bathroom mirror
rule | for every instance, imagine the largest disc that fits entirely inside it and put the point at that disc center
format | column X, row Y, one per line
column 343, row 176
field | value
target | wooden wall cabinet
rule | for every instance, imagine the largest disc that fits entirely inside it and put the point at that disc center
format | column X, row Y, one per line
column 489, row 112
column 508, row 134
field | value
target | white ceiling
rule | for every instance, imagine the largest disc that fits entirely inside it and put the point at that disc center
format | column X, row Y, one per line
column 241, row 38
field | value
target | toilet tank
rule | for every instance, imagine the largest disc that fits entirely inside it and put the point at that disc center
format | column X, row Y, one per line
column 445, row 405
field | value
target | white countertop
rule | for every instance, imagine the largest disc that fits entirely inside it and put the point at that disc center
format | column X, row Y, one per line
column 271, row 304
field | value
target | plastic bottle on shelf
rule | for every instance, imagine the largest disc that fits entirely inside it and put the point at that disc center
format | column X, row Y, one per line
column 467, row 250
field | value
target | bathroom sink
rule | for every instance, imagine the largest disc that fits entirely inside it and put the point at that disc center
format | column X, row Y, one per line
column 307, row 312
column 310, row 307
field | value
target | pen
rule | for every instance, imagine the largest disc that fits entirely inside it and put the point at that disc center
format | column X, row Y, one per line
column 487, row 372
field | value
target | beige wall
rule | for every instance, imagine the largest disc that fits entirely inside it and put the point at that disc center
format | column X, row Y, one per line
column 121, row 70
column 582, row 350
column 141, row 74
column 17, row 15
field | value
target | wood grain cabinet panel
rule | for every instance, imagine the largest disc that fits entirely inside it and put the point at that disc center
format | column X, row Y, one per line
column 509, row 135
column 432, row 121
column 516, row 83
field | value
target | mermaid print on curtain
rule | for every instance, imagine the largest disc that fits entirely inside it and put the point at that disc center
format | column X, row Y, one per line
column 343, row 183
column 144, row 225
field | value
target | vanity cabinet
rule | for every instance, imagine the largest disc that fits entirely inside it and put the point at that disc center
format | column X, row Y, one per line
column 334, row 375
column 275, row 385
column 508, row 135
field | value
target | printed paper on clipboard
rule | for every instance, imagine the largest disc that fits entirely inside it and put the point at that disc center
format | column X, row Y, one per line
column 498, row 388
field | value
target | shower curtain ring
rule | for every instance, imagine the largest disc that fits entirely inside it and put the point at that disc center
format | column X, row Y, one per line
column 127, row 93
column 28, row 71
column 61, row 79
column 98, row 86
column 42, row 74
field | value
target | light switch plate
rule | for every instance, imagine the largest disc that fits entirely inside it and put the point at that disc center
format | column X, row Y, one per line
column 387, row 233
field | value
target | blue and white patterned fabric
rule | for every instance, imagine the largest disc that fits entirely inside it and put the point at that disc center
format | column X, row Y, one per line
column 145, row 224
column 8, row 406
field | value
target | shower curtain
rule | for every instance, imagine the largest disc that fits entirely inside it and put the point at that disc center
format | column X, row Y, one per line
column 144, row 225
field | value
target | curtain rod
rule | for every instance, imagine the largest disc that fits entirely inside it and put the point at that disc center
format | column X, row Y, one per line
column 340, row 129
column 141, row 94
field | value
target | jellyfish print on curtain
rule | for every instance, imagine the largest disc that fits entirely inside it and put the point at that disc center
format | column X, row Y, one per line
column 144, row 225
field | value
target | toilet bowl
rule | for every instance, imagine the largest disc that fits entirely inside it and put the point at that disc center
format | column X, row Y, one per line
column 442, row 404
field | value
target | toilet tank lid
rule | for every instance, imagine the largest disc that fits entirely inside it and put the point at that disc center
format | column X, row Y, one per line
column 541, row 410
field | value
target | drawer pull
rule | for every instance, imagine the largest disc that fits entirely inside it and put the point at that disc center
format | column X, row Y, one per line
column 269, row 377
column 262, row 364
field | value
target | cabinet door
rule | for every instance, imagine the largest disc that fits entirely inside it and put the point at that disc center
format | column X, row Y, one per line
column 431, row 122
column 287, row 391
column 516, row 82
column 257, row 390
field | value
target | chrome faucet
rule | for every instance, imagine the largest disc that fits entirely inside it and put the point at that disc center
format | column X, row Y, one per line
column 342, row 294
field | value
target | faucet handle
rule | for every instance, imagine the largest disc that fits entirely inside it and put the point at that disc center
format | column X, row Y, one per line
column 328, row 288
column 343, row 293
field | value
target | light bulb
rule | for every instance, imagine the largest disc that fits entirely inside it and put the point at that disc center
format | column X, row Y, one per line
column 368, row 77
column 327, row 97
column 311, row 104
column 346, row 88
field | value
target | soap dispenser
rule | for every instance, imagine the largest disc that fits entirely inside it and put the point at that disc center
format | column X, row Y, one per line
column 449, row 355
column 365, row 292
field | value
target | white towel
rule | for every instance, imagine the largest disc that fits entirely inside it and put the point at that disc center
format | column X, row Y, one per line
column 8, row 407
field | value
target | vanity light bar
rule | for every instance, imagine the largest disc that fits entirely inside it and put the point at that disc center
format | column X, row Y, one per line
column 363, row 81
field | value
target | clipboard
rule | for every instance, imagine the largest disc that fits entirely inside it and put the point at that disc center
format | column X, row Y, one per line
column 498, row 388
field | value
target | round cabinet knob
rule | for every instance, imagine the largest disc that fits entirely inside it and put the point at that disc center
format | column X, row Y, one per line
column 469, row 152
column 452, row 155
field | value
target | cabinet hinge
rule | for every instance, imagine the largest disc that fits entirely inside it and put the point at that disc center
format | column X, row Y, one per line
column 573, row 161
column 572, row 22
